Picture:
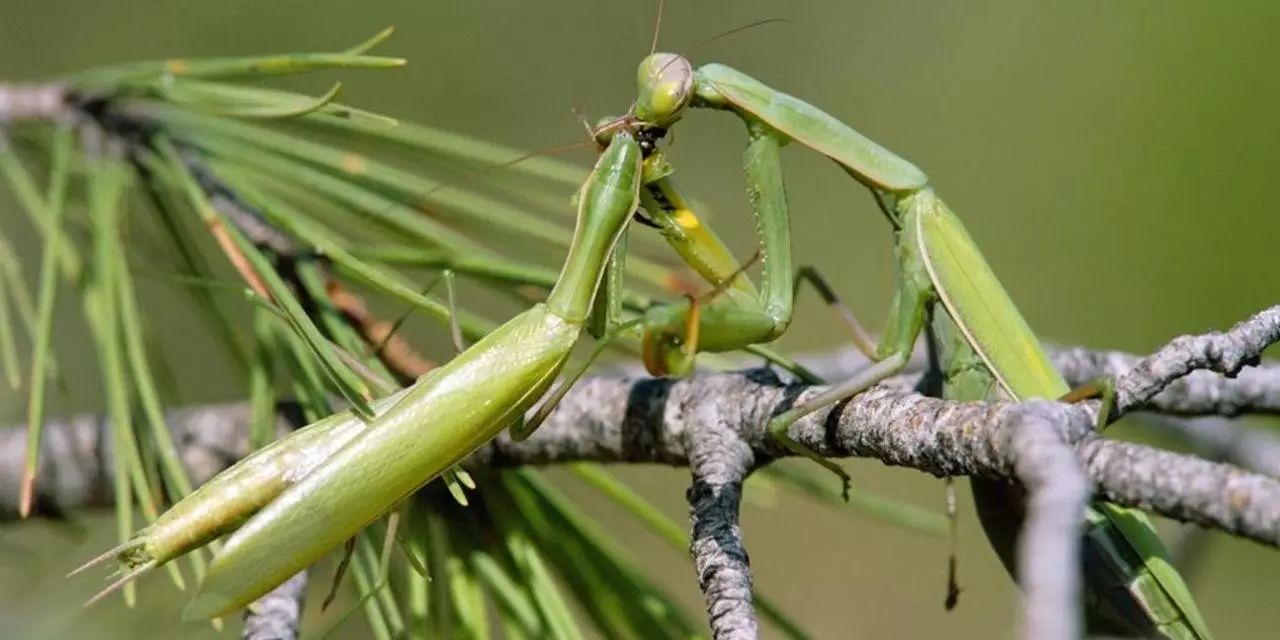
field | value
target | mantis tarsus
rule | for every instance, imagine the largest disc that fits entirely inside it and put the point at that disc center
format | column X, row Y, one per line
column 937, row 262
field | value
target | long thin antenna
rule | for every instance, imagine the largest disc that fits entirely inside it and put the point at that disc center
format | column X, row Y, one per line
column 723, row 34
column 757, row 23
column 657, row 27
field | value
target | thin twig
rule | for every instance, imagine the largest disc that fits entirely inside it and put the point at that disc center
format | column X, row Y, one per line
column 392, row 348
column 395, row 351
column 1226, row 353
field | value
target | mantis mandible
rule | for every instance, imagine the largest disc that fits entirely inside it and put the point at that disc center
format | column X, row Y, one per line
column 362, row 471
column 937, row 262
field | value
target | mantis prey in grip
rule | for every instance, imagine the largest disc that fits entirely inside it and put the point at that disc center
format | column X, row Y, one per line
column 1133, row 587
column 360, row 471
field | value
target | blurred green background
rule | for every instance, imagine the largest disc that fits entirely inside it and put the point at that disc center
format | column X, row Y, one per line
column 1111, row 158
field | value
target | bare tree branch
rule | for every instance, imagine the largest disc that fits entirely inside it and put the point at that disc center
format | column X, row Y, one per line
column 1254, row 390
column 645, row 420
column 716, row 424
column 76, row 459
column 1204, row 397
column 277, row 615
column 1226, row 353
column 1223, row 440
column 628, row 420
column 1185, row 488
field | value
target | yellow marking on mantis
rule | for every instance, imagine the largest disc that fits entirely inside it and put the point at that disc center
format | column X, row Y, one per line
column 686, row 219
column 177, row 66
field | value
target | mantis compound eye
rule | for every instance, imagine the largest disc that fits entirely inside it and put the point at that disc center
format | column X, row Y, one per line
column 664, row 88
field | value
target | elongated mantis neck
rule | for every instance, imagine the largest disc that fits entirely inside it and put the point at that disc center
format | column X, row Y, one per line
column 605, row 205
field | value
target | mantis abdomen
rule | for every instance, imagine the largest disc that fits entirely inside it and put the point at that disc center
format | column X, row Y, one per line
column 449, row 414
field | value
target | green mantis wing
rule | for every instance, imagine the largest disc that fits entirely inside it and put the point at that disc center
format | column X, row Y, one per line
column 869, row 162
column 220, row 505
column 1138, row 531
column 981, row 307
column 992, row 324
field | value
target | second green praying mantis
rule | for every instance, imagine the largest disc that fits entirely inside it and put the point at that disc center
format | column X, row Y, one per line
column 940, row 272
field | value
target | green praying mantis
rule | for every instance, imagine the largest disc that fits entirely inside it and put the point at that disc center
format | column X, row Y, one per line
column 986, row 346
column 352, row 472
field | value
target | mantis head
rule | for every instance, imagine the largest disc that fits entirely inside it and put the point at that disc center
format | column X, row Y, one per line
column 664, row 88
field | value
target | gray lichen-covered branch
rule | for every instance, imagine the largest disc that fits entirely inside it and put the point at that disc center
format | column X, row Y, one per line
column 715, row 424
column 720, row 460
column 627, row 420
column 1057, row 491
